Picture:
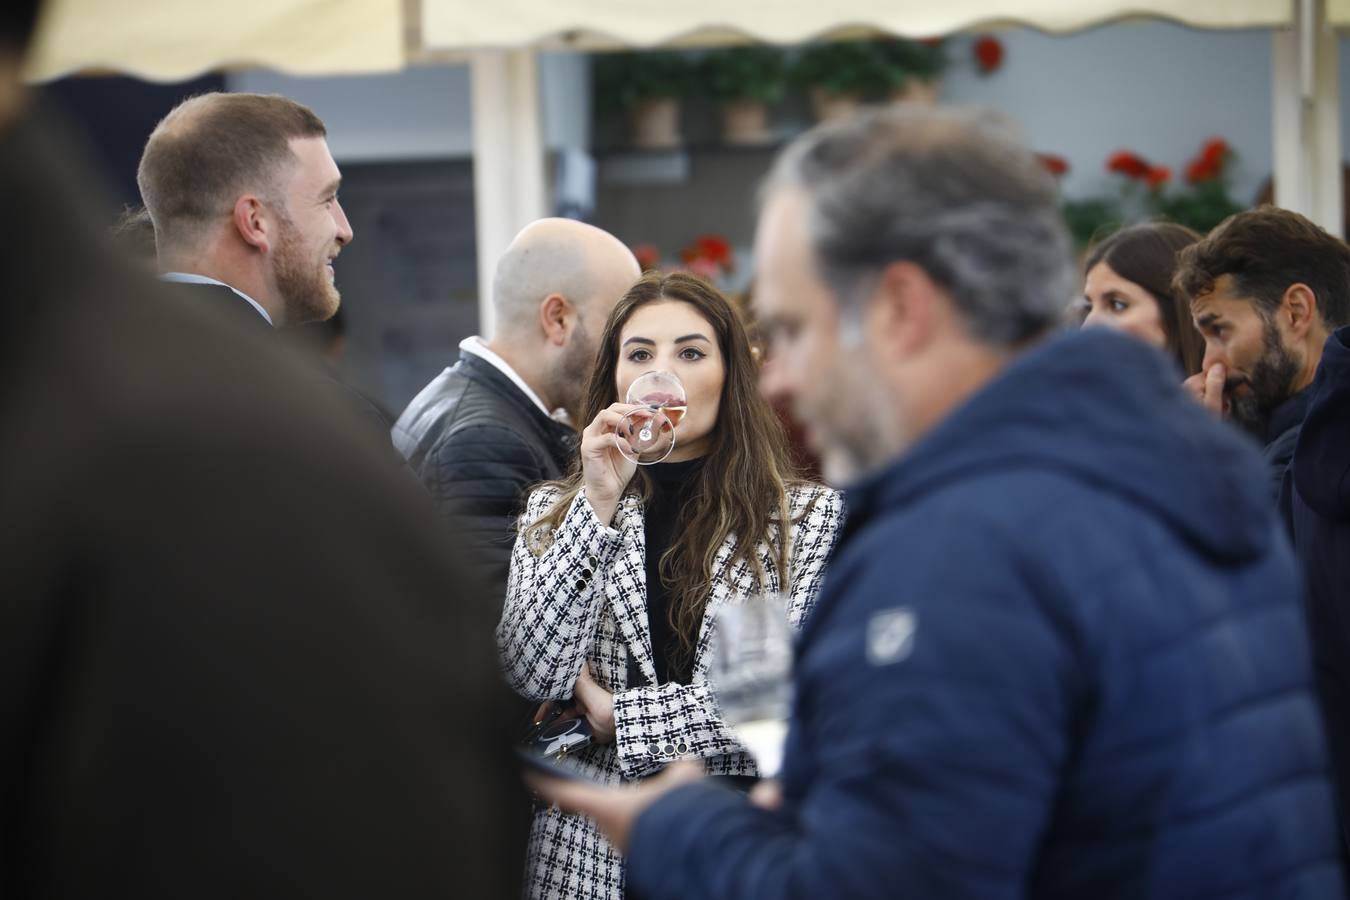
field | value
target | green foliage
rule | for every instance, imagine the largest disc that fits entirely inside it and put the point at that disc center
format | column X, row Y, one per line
column 843, row 67
column 868, row 68
column 1203, row 206
column 921, row 60
column 623, row 80
column 744, row 73
column 1091, row 220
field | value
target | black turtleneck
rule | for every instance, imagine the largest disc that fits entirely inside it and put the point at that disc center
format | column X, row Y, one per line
column 673, row 485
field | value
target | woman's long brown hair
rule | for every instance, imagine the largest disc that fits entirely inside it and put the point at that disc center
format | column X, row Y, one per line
column 741, row 488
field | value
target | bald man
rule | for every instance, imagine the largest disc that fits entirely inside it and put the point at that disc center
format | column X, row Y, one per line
column 503, row 417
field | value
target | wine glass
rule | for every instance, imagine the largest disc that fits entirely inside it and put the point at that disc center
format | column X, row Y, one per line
column 648, row 432
column 750, row 673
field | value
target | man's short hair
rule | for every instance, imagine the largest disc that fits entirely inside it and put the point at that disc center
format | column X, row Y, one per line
column 214, row 147
column 953, row 192
column 1265, row 250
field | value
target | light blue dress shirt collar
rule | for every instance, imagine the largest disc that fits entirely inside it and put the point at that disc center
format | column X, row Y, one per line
column 189, row 278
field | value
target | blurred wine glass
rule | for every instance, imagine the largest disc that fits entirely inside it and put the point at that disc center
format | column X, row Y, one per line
column 750, row 672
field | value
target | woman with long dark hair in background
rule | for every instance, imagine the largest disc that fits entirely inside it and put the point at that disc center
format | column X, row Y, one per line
column 1129, row 287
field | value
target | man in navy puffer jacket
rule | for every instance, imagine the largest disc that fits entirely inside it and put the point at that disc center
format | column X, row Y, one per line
column 1059, row 652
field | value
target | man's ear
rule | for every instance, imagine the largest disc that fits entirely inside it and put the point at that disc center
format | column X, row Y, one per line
column 252, row 222
column 554, row 317
column 1298, row 308
column 902, row 308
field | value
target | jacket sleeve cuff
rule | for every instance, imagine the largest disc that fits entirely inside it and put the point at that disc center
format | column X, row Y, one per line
column 655, row 726
column 595, row 544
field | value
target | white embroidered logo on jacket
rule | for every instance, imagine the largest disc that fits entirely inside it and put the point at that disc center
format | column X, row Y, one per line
column 890, row 636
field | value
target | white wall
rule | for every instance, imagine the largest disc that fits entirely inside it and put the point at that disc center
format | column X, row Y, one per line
column 423, row 112
column 419, row 113
column 1155, row 88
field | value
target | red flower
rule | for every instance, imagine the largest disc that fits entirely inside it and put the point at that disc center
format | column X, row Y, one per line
column 648, row 256
column 1131, row 165
column 988, row 54
column 1055, row 165
column 1209, row 164
column 1215, row 151
column 711, row 248
column 1157, row 176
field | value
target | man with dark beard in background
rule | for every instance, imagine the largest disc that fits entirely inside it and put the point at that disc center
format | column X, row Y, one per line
column 1266, row 288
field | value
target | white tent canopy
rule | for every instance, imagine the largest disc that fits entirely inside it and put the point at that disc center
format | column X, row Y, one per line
column 590, row 24
column 172, row 40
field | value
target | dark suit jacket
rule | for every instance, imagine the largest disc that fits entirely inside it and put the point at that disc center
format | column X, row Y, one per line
column 238, row 656
column 479, row 444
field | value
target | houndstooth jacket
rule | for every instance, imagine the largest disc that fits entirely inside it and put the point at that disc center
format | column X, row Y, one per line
column 584, row 597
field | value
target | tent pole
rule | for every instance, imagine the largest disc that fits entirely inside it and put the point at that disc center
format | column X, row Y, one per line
column 508, row 159
column 1306, row 117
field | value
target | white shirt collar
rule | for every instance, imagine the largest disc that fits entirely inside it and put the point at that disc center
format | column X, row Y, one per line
column 190, row 278
column 479, row 348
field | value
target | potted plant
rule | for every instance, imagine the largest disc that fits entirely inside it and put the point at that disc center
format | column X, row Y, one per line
column 839, row 75
column 746, row 81
column 646, row 87
column 914, row 68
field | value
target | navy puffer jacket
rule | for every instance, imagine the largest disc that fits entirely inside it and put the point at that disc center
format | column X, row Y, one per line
column 1059, row 654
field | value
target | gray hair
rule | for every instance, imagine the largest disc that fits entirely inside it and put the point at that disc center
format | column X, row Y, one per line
column 952, row 192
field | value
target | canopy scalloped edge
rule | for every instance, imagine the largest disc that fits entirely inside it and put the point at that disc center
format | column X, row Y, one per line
column 446, row 27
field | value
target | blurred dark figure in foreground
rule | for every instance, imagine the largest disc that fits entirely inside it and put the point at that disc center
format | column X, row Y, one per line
column 1316, row 499
column 243, row 192
column 1059, row 651
column 325, row 342
column 134, row 235
column 237, row 656
column 1266, row 287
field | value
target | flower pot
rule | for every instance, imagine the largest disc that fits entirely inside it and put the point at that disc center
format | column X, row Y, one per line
column 656, row 123
column 830, row 106
column 920, row 93
column 745, row 122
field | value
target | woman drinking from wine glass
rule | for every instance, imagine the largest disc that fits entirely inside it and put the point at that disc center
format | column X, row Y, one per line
column 619, row 570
